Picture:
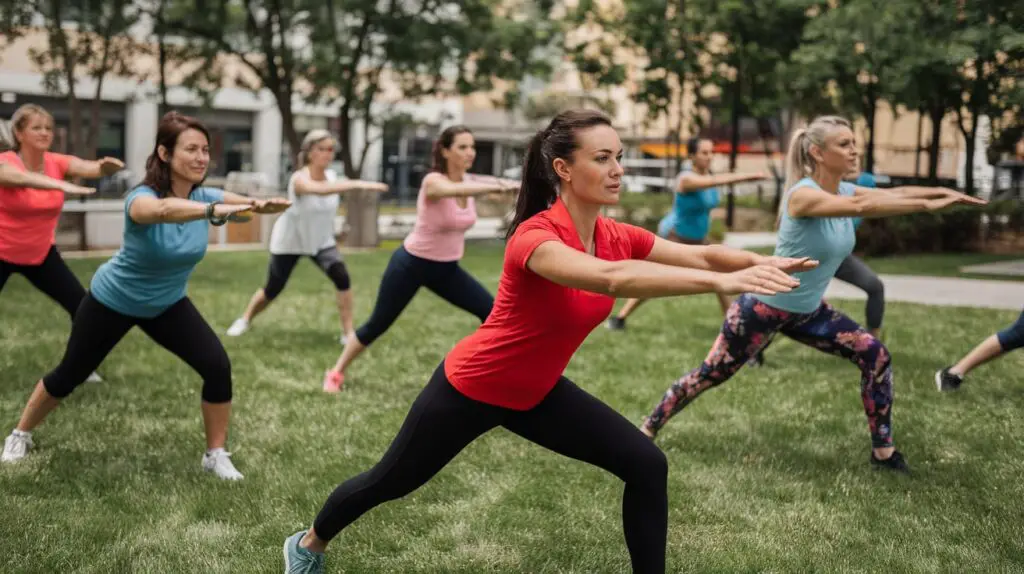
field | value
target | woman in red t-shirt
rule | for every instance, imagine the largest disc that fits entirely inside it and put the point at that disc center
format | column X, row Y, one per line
column 564, row 264
column 32, row 189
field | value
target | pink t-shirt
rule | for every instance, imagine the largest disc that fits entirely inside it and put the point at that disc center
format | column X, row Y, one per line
column 440, row 230
column 28, row 217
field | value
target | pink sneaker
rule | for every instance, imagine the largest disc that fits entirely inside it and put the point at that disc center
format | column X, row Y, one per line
column 333, row 381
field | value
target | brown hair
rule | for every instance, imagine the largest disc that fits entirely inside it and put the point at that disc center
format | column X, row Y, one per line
column 158, row 171
column 445, row 141
column 539, row 187
column 20, row 118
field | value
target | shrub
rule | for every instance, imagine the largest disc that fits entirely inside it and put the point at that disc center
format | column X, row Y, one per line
column 957, row 229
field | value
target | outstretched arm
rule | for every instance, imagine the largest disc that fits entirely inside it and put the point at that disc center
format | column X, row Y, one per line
column 437, row 186
column 810, row 202
column 720, row 258
column 147, row 209
column 13, row 177
column 566, row 266
column 89, row 169
column 696, row 182
column 304, row 185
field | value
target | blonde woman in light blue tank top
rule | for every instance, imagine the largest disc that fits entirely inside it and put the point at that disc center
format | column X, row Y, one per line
column 816, row 221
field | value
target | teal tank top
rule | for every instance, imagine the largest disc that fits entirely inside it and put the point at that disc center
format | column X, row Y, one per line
column 829, row 240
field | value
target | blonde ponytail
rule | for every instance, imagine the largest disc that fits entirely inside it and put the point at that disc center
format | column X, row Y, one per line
column 799, row 161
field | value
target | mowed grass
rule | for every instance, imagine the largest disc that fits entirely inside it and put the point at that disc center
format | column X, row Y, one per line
column 767, row 474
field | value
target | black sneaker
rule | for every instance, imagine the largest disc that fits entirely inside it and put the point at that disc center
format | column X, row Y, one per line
column 947, row 381
column 616, row 324
column 757, row 360
column 896, row 463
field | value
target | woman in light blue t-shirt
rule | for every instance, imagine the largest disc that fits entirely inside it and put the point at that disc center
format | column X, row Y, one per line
column 689, row 221
column 816, row 221
column 166, row 230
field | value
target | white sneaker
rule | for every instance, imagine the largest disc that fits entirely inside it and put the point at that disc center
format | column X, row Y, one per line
column 218, row 461
column 343, row 340
column 16, row 447
column 238, row 327
column 94, row 378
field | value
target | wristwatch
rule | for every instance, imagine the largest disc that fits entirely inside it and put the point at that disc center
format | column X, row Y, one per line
column 213, row 219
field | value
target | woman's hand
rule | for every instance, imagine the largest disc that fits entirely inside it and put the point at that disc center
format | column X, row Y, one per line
column 963, row 198
column 109, row 166
column 789, row 264
column 378, row 187
column 272, row 205
column 760, row 279
column 238, row 212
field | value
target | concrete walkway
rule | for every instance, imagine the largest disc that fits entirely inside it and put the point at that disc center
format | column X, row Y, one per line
column 1009, row 268
column 944, row 291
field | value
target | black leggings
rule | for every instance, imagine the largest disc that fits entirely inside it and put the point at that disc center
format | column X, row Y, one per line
column 281, row 266
column 180, row 329
column 568, row 421
column 52, row 277
column 405, row 274
column 857, row 273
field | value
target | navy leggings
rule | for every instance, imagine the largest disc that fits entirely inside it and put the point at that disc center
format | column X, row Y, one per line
column 404, row 276
column 1012, row 337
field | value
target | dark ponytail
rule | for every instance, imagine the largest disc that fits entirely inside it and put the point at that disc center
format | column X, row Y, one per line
column 443, row 142
column 539, row 187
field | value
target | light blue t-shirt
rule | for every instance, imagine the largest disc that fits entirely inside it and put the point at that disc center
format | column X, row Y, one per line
column 829, row 240
column 692, row 211
column 150, row 272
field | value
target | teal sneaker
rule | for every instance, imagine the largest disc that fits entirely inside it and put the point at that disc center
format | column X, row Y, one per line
column 298, row 560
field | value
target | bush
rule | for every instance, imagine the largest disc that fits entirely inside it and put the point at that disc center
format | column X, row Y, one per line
column 957, row 229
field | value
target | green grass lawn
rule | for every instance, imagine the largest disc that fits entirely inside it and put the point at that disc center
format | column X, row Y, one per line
column 768, row 473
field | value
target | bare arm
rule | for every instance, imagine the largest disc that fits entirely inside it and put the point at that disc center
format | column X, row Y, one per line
column 306, row 186
column 810, row 202
column 720, row 258
column 695, row 182
column 566, row 266
column 916, row 191
column 88, row 169
column 146, row 209
column 13, row 177
column 437, row 186
column 709, row 257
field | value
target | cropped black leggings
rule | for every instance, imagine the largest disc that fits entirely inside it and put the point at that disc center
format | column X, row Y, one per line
column 569, row 421
column 404, row 276
column 180, row 329
column 52, row 277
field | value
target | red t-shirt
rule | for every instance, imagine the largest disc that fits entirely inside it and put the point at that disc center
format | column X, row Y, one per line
column 28, row 217
column 515, row 358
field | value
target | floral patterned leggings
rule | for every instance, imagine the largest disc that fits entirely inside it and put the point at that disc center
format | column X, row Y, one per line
column 749, row 327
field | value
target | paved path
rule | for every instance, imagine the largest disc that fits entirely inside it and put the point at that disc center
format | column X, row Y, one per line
column 945, row 291
column 1012, row 268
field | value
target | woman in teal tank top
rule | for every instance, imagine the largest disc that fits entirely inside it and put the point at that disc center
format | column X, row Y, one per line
column 689, row 221
column 816, row 221
column 144, row 284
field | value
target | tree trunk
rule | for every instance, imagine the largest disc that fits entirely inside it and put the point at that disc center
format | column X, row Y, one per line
column 936, row 113
column 736, row 112
column 361, row 207
column 95, row 122
column 870, row 110
column 969, row 150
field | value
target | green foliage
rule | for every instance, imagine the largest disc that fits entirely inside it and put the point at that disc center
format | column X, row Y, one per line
column 956, row 230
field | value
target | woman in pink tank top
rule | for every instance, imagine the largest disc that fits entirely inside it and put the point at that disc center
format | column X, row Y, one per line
column 429, row 256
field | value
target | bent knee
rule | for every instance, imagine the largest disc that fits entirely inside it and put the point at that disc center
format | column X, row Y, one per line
column 217, row 387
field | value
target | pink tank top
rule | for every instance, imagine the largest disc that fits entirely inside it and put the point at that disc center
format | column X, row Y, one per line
column 440, row 230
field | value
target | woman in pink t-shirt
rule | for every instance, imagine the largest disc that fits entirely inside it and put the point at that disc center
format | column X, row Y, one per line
column 32, row 190
column 429, row 256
